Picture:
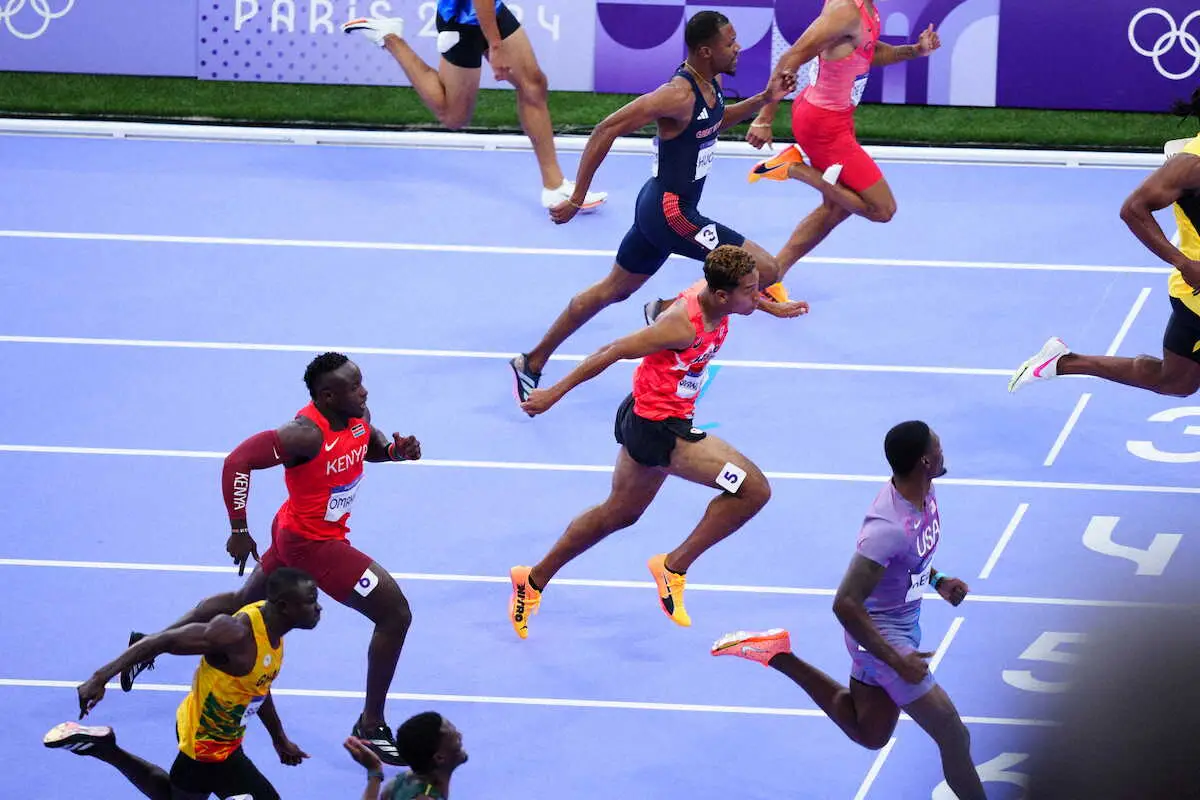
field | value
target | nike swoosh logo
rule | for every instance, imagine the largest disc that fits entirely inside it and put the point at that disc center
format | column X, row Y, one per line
column 1037, row 373
column 332, row 444
column 763, row 169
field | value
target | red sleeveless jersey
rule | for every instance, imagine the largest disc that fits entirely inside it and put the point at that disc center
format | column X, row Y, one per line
column 666, row 383
column 321, row 491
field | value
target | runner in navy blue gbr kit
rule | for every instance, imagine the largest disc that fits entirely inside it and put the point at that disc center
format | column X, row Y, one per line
column 690, row 112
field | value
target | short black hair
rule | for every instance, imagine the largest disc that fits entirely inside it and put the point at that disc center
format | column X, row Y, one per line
column 703, row 27
column 320, row 366
column 285, row 580
column 418, row 739
column 905, row 444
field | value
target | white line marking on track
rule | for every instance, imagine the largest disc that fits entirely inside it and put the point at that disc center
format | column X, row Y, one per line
column 544, row 467
column 1004, row 539
column 1067, row 427
column 1123, row 331
column 873, row 772
column 521, row 701
column 542, row 251
column 482, row 354
column 592, row 583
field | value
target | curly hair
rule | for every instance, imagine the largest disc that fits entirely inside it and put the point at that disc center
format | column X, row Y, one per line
column 725, row 267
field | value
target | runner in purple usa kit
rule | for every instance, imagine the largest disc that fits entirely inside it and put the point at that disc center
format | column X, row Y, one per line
column 879, row 605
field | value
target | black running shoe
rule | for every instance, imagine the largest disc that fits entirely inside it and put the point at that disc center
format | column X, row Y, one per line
column 526, row 381
column 128, row 675
column 82, row 740
column 379, row 738
column 651, row 310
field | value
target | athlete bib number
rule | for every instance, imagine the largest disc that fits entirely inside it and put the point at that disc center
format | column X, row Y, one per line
column 341, row 500
column 860, row 86
column 654, row 160
column 704, row 159
column 918, row 582
column 252, row 708
column 689, row 385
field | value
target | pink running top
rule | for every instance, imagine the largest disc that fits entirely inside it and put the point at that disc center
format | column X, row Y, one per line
column 838, row 85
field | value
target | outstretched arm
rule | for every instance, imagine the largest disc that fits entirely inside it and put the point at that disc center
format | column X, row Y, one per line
column 779, row 86
column 214, row 637
column 886, row 54
column 1164, row 186
column 839, row 20
column 669, row 101
column 671, row 331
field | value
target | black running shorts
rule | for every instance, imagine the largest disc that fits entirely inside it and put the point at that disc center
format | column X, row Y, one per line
column 650, row 442
column 1182, row 336
column 463, row 45
column 233, row 776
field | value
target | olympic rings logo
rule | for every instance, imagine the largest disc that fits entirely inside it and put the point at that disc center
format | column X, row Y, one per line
column 1165, row 43
column 42, row 7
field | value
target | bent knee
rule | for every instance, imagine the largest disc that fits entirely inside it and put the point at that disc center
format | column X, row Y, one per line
column 873, row 740
column 1180, row 387
column 882, row 213
column 619, row 520
column 768, row 269
column 611, row 291
column 755, row 489
column 398, row 616
column 532, row 87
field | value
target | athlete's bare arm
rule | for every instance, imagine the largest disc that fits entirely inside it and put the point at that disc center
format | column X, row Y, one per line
column 849, row 606
column 287, row 750
column 1164, row 186
column 838, row 22
column 779, row 86
column 671, row 102
column 301, row 440
column 886, row 54
column 293, row 443
column 671, row 331
column 223, row 635
column 397, row 448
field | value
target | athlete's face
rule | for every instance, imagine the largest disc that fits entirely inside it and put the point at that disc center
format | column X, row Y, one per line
column 451, row 753
column 301, row 606
column 724, row 50
column 744, row 299
column 934, row 460
column 344, row 391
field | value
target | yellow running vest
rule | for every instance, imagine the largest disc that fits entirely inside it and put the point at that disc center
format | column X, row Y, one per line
column 211, row 720
column 1187, row 217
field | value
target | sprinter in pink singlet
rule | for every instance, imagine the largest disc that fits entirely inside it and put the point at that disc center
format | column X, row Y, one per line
column 840, row 47
column 658, row 438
